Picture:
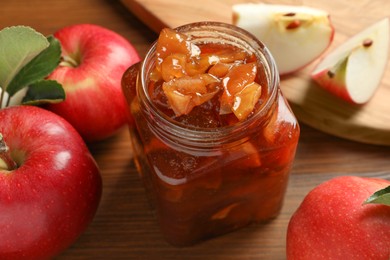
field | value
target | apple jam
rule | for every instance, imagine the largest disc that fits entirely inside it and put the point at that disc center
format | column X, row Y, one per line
column 214, row 139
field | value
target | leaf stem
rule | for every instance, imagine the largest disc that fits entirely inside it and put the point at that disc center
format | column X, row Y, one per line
column 6, row 161
column 1, row 98
column 8, row 101
column 4, row 98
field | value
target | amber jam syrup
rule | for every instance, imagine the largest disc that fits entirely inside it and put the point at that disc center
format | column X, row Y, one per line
column 207, row 173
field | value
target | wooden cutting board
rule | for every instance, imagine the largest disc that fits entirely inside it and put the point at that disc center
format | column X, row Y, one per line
column 312, row 105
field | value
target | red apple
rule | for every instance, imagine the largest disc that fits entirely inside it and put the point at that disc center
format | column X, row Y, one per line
column 51, row 196
column 94, row 60
column 333, row 223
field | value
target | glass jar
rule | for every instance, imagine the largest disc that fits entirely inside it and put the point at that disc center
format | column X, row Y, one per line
column 204, row 182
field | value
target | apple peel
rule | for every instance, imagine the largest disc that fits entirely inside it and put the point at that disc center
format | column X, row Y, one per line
column 353, row 71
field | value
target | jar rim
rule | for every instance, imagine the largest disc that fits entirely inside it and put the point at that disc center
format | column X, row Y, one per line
column 258, row 48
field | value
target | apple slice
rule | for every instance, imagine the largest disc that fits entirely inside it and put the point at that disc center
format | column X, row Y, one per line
column 353, row 71
column 295, row 35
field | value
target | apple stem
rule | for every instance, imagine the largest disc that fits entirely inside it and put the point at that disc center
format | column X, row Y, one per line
column 68, row 62
column 6, row 161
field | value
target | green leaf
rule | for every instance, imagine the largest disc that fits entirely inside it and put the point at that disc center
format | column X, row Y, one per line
column 38, row 68
column 44, row 91
column 380, row 197
column 18, row 46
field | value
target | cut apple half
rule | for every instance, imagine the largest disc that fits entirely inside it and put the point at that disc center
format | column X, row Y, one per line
column 295, row 35
column 353, row 71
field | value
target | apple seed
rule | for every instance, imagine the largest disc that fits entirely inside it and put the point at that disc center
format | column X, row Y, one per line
column 331, row 74
column 289, row 14
column 367, row 43
column 293, row 25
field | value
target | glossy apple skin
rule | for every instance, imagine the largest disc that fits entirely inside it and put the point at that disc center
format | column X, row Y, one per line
column 50, row 199
column 332, row 223
column 94, row 102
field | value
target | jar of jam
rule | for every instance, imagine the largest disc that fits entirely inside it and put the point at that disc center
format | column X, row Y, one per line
column 214, row 139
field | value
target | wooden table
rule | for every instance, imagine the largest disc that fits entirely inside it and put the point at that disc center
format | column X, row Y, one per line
column 124, row 227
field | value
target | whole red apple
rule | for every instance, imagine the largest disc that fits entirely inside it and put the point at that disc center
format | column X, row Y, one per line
column 94, row 60
column 52, row 194
column 333, row 223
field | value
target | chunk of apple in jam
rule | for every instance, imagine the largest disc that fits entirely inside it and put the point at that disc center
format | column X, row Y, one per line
column 229, row 56
column 245, row 100
column 193, row 74
column 241, row 93
column 170, row 42
column 220, row 69
column 185, row 93
column 173, row 66
column 198, row 65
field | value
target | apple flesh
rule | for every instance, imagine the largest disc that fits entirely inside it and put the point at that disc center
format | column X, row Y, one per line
column 295, row 35
column 354, row 70
column 52, row 193
column 333, row 223
column 94, row 60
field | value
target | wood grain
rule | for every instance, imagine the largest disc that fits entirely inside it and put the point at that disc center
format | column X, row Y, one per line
column 312, row 105
column 124, row 227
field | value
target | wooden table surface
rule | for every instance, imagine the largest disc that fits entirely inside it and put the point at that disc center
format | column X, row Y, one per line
column 124, row 227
